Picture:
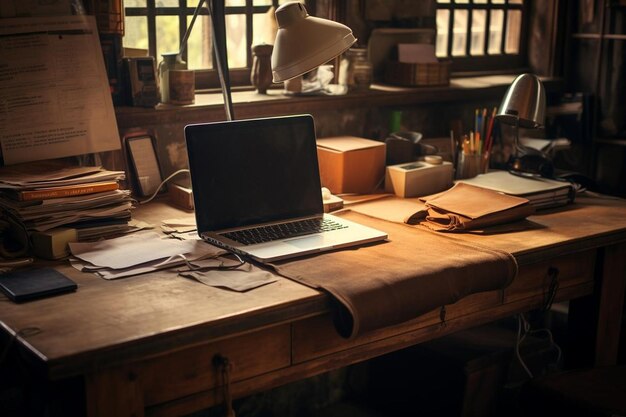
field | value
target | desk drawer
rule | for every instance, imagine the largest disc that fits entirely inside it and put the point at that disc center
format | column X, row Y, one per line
column 535, row 280
column 189, row 371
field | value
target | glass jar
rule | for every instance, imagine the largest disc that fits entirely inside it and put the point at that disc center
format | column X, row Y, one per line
column 356, row 70
column 170, row 61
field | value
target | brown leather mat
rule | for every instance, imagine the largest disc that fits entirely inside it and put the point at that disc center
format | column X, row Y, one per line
column 413, row 272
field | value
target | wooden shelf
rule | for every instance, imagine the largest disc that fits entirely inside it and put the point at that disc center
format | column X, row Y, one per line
column 209, row 107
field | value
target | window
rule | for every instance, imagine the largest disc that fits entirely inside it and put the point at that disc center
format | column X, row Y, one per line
column 159, row 25
column 482, row 35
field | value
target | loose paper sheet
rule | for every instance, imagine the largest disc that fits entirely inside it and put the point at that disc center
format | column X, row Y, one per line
column 55, row 99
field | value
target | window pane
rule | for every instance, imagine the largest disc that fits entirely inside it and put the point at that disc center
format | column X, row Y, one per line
column 136, row 32
column 199, row 44
column 459, row 36
column 516, row 2
column 480, row 1
column 478, row 32
column 495, row 31
column 513, row 29
column 167, row 3
column 263, row 28
column 134, row 3
column 461, row 1
column 236, row 40
column 443, row 1
column 497, row 1
column 262, row 3
column 443, row 18
column 233, row 3
column 167, row 35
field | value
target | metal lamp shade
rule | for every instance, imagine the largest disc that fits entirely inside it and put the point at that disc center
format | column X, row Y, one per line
column 525, row 100
column 305, row 42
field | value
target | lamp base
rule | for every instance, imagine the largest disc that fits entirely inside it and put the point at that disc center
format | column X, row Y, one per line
column 530, row 164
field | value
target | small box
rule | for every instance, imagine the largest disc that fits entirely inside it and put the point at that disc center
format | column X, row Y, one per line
column 351, row 165
column 418, row 74
column 417, row 179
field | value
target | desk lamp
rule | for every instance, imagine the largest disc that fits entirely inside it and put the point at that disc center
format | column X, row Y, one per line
column 305, row 42
column 524, row 105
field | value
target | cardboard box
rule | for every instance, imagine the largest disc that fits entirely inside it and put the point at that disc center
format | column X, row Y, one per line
column 419, row 178
column 351, row 165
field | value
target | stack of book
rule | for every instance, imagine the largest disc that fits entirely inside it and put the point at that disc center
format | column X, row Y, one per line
column 541, row 192
column 58, row 204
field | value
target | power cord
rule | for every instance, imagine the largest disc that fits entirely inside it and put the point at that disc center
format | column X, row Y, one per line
column 180, row 171
column 523, row 330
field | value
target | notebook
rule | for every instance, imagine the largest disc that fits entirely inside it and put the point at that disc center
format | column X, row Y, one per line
column 25, row 285
column 257, row 192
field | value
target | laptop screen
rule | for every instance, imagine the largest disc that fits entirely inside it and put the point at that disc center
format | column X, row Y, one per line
column 247, row 172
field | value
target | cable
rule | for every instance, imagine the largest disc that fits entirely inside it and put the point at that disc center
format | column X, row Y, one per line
column 520, row 338
column 524, row 325
column 180, row 171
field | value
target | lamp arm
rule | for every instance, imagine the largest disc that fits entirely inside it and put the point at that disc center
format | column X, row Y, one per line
column 219, row 46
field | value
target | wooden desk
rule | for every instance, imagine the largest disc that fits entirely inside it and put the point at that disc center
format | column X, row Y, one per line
column 145, row 345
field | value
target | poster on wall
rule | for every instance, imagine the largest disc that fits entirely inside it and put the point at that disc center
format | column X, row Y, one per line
column 55, row 99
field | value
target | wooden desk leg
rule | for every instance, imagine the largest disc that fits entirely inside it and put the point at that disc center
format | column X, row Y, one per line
column 594, row 322
column 114, row 392
column 611, row 305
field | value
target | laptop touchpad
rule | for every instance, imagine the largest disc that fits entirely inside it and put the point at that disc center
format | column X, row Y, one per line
column 307, row 241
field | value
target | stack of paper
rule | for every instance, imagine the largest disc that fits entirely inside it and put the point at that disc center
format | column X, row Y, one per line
column 138, row 253
column 541, row 192
column 45, row 196
column 149, row 251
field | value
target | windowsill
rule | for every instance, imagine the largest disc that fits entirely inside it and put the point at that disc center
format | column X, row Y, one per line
column 247, row 104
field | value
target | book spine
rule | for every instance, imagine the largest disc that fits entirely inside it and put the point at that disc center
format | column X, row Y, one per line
column 30, row 195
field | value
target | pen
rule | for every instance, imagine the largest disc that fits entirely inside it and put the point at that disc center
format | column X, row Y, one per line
column 452, row 147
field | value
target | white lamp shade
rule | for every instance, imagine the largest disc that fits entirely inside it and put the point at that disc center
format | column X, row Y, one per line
column 305, row 42
column 524, row 101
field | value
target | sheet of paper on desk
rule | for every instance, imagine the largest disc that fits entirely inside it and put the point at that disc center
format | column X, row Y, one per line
column 203, row 255
column 237, row 279
column 198, row 252
column 131, row 250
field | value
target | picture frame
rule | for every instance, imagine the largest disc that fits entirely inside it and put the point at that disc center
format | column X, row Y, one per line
column 143, row 164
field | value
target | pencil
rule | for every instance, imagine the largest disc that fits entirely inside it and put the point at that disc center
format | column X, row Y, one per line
column 476, row 121
column 483, row 128
column 452, row 147
column 489, row 138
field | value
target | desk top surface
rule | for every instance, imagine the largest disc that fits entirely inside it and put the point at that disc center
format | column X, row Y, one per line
column 152, row 313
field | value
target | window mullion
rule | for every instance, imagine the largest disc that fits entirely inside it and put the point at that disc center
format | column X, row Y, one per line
column 152, row 41
column 249, row 32
column 504, row 23
column 487, row 31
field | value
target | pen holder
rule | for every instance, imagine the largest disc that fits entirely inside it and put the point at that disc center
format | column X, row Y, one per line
column 468, row 166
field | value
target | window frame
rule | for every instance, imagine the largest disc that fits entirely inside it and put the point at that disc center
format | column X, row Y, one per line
column 336, row 9
column 205, row 78
column 488, row 63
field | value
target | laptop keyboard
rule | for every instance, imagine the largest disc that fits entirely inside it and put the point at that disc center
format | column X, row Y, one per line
column 283, row 230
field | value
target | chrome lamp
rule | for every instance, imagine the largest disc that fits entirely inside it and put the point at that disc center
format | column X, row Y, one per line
column 524, row 106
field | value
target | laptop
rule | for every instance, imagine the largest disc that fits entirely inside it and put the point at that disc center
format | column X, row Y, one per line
column 257, row 192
